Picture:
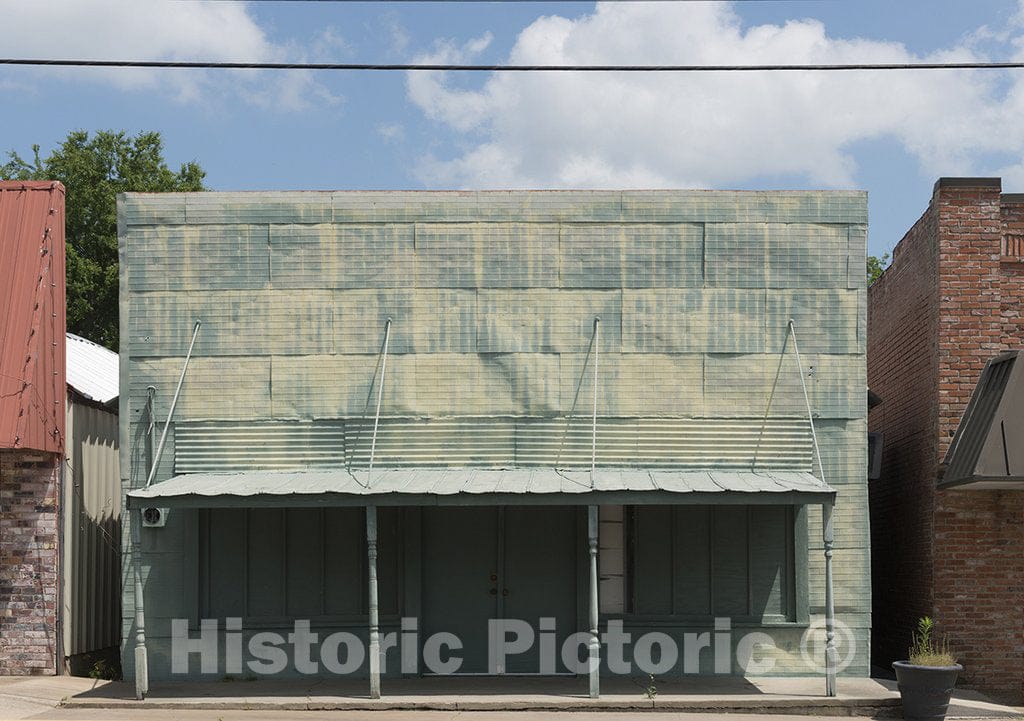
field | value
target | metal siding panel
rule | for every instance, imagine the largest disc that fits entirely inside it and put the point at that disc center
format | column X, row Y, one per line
column 91, row 553
column 777, row 444
column 673, row 206
column 826, row 320
column 92, row 370
column 32, row 316
column 714, row 320
column 549, row 205
column 850, row 206
column 335, row 386
column 806, row 256
column 735, row 255
column 258, row 207
column 404, row 206
column 507, row 383
column 151, row 208
column 197, row 257
column 214, row 388
column 330, row 256
column 360, row 317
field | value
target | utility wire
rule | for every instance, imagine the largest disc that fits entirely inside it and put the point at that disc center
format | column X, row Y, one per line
column 454, row 67
column 490, row 2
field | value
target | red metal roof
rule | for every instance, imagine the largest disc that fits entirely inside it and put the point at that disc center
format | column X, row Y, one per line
column 32, row 315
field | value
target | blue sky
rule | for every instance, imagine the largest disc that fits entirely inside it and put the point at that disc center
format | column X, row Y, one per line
column 891, row 134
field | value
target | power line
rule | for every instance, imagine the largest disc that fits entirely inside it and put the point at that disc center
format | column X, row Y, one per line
column 492, row 2
column 454, row 67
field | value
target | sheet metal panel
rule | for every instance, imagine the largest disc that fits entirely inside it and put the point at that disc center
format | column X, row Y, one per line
column 91, row 567
column 986, row 451
column 477, row 481
column 32, row 315
column 743, row 443
column 92, row 369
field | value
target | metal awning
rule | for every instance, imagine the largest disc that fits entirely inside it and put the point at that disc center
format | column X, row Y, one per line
column 479, row 486
column 986, row 453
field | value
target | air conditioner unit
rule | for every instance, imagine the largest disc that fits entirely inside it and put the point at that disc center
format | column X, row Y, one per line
column 154, row 517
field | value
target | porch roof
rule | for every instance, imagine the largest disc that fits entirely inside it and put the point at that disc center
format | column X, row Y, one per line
column 482, row 486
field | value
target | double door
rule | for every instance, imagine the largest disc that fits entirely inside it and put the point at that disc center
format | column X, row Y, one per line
column 494, row 563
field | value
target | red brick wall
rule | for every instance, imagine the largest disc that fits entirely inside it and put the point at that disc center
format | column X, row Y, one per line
column 28, row 562
column 949, row 302
column 979, row 561
column 902, row 326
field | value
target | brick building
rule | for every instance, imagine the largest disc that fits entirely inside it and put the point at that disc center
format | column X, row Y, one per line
column 949, row 302
column 32, row 421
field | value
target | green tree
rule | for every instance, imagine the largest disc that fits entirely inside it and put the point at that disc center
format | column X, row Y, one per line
column 94, row 170
column 876, row 265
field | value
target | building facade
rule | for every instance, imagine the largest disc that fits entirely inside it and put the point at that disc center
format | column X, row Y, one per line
column 948, row 303
column 90, row 510
column 418, row 413
column 32, row 389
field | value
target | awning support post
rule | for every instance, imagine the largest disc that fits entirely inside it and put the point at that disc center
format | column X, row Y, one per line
column 174, row 404
column 141, row 655
column 371, row 558
column 380, row 396
column 151, row 426
column 593, row 434
column 831, row 655
column 807, row 402
column 594, row 644
column 828, row 536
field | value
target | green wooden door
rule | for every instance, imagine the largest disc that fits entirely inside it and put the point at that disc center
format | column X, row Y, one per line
column 498, row 563
column 540, row 576
column 460, row 556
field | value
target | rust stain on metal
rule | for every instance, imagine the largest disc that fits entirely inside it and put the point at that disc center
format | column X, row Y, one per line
column 32, row 315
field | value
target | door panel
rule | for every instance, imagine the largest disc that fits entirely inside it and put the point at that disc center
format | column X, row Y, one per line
column 460, row 553
column 540, row 576
column 489, row 563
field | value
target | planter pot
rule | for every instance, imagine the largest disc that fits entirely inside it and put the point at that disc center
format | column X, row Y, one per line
column 925, row 690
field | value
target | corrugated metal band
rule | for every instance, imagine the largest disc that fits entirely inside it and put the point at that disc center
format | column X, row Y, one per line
column 701, row 443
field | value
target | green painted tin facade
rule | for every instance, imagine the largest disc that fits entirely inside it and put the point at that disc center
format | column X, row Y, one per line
column 492, row 297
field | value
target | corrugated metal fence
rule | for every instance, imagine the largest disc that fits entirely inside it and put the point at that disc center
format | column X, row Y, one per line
column 92, row 532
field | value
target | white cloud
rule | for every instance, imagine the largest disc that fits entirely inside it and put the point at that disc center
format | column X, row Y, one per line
column 162, row 30
column 712, row 129
column 391, row 132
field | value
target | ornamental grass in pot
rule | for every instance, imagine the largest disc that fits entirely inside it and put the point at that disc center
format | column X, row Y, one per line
column 927, row 678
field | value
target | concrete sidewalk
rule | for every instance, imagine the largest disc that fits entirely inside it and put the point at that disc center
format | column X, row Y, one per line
column 862, row 697
column 24, row 696
column 468, row 699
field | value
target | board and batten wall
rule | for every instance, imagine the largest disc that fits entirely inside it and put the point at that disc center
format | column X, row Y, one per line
column 492, row 297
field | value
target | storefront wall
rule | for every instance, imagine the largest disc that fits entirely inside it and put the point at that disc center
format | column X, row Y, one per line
column 492, row 298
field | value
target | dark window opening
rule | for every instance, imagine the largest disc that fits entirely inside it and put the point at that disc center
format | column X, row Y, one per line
column 701, row 562
column 267, row 564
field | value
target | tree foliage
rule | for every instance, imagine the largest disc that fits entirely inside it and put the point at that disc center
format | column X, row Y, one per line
column 94, row 170
column 876, row 265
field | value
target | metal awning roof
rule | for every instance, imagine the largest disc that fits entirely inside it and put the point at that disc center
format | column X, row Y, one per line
column 92, row 370
column 986, row 453
column 474, row 486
